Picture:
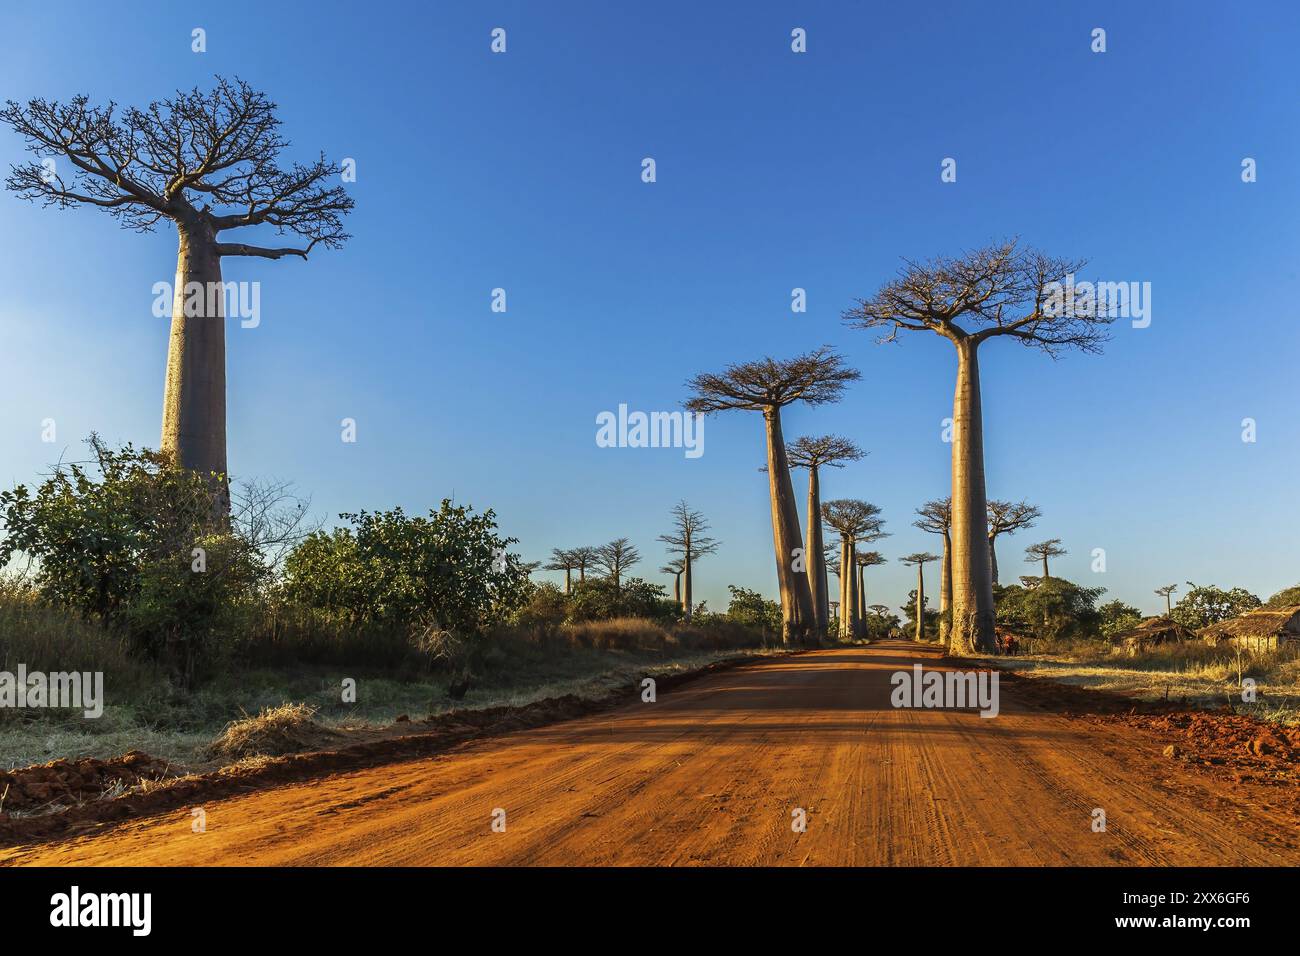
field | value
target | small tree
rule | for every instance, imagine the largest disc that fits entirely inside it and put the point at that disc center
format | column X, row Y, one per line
column 583, row 558
column 1007, row 517
column 675, row 568
column 1166, row 592
column 864, row 560
column 767, row 386
column 855, row 520
column 918, row 560
column 1203, row 605
column 615, row 558
column 562, row 560
column 1051, row 548
column 690, row 543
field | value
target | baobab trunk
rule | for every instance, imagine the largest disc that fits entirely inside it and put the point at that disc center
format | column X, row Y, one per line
column 861, row 593
column 847, row 578
column 686, row 587
column 568, row 580
column 796, row 597
column 993, row 559
column 855, row 593
column 677, row 588
column 194, row 395
column 821, row 598
column 1045, row 574
column 945, row 590
column 972, row 584
column 920, row 602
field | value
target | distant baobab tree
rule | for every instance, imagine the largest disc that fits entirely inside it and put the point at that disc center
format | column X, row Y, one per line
column 767, row 386
column 1166, row 592
column 864, row 560
column 1001, row 290
column 919, row 560
column 675, row 568
column 562, row 560
column 615, row 558
column 583, row 558
column 207, row 162
column 689, row 543
column 813, row 454
column 1051, row 548
column 936, row 518
column 1007, row 518
column 855, row 520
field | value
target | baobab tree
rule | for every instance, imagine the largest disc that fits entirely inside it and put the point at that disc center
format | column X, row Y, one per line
column 813, row 454
column 919, row 561
column 207, row 162
column 562, row 560
column 1051, row 548
column 583, row 558
column 675, row 568
column 1166, row 592
column 864, row 560
column 615, row 558
column 936, row 518
column 689, row 543
column 1006, row 517
column 767, row 386
column 855, row 520
column 998, row 291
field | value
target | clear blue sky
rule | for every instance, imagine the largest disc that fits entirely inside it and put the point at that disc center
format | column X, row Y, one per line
column 775, row 170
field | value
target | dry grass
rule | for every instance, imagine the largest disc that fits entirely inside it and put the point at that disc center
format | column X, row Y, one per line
column 289, row 728
column 1195, row 673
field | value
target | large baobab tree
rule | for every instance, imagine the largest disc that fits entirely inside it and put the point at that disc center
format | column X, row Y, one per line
column 562, row 560
column 1166, row 592
column 689, row 543
column 999, row 291
column 936, row 518
column 864, row 560
column 1007, row 517
column 1051, row 548
column 919, row 561
column 813, row 454
column 767, row 386
column 207, row 162
column 856, row 521
column 615, row 558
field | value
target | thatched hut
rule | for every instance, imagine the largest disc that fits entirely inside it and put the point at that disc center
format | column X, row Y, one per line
column 1264, row 629
column 1152, row 632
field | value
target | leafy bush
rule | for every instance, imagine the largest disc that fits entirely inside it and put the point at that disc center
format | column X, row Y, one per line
column 1285, row 598
column 750, row 609
column 1116, row 617
column 1205, row 605
column 597, row 599
column 1052, row 608
column 134, row 542
column 450, row 570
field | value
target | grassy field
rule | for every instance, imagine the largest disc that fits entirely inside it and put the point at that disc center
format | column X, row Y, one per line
column 147, row 711
column 1201, row 675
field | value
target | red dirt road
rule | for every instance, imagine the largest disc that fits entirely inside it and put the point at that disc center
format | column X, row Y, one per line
column 710, row 774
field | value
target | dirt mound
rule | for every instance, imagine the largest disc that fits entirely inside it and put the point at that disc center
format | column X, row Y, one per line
column 75, row 781
column 276, row 731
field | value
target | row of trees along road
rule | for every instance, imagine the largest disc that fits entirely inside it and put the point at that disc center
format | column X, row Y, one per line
column 208, row 163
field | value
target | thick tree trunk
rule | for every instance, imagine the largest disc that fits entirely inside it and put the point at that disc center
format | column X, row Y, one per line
column 796, row 596
column 568, row 580
column 972, row 583
column 861, row 594
column 677, row 588
column 1045, row 574
column 821, row 598
column 194, row 394
column 855, row 596
column 945, row 590
column 847, row 577
column 920, row 602
column 993, row 558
